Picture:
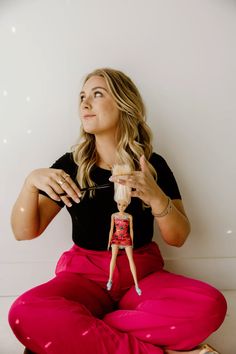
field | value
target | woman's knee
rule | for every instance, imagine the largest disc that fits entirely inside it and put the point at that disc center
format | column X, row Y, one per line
column 16, row 312
column 216, row 308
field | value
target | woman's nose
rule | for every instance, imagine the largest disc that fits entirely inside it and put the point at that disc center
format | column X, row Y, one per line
column 86, row 103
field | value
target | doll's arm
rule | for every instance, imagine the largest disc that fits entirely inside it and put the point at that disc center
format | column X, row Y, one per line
column 111, row 232
column 131, row 228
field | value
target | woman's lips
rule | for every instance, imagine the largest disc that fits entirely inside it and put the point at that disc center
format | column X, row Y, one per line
column 88, row 116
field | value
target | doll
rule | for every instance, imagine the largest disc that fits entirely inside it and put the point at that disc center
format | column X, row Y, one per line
column 121, row 230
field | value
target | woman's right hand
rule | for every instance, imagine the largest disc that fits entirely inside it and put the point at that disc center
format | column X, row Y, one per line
column 56, row 183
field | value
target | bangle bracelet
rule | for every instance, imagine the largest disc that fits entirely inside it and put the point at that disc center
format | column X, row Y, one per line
column 166, row 211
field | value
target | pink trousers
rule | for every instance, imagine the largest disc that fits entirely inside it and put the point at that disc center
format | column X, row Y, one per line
column 74, row 313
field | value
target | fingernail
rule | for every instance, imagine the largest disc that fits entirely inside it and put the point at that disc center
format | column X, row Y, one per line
column 111, row 179
column 121, row 181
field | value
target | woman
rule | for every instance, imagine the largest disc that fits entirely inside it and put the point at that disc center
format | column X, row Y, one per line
column 74, row 312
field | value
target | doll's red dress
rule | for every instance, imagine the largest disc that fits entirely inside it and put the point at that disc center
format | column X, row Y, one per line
column 121, row 236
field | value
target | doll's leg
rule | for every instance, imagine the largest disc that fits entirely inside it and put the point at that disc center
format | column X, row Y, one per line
column 61, row 316
column 174, row 311
column 129, row 252
column 114, row 250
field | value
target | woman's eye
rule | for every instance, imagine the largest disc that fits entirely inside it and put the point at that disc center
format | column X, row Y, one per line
column 97, row 93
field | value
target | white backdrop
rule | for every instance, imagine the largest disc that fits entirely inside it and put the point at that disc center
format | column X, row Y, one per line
column 182, row 56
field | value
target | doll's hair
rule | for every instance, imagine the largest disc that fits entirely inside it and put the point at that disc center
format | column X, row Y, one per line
column 121, row 192
column 133, row 134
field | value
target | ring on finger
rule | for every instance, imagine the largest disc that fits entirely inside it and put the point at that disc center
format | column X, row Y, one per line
column 66, row 176
column 62, row 194
column 61, row 181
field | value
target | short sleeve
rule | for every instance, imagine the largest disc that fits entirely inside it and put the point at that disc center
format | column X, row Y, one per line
column 165, row 177
column 66, row 163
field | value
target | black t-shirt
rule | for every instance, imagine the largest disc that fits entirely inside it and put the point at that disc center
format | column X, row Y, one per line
column 91, row 218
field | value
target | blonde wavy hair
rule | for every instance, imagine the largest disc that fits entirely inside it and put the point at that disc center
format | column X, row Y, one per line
column 134, row 137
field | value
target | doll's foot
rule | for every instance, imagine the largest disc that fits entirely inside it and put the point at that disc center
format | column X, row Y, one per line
column 138, row 290
column 109, row 285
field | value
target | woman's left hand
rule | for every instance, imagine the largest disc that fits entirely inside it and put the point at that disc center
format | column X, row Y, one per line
column 174, row 232
column 143, row 183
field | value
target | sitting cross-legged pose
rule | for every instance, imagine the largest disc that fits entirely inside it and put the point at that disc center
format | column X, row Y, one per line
column 74, row 312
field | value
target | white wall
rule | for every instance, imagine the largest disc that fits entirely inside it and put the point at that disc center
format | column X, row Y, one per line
column 181, row 54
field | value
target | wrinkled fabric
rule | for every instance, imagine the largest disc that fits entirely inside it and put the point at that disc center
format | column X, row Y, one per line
column 73, row 313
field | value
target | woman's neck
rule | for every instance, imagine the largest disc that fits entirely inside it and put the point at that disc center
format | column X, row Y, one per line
column 106, row 150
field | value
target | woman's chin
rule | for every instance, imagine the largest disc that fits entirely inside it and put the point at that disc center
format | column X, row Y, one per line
column 89, row 130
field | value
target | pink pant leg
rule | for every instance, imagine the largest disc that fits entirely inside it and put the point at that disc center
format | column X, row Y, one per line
column 63, row 316
column 173, row 311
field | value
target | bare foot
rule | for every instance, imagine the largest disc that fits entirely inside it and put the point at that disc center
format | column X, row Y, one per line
column 205, row 348
column 195, row 351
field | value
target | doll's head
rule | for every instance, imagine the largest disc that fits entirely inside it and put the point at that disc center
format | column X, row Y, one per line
column 122, row 205
column 122, row 193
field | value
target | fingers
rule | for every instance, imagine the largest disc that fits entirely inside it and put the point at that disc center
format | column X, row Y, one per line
column 58, row 185
column 137, row 193
column 134, row 180
column 66, row 189
column 142, row 184
column 143, row 165
column 51, row 193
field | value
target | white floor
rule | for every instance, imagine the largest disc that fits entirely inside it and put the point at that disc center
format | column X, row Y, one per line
column 224, row 339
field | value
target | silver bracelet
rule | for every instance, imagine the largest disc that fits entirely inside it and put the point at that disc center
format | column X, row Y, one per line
column 166, row 211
